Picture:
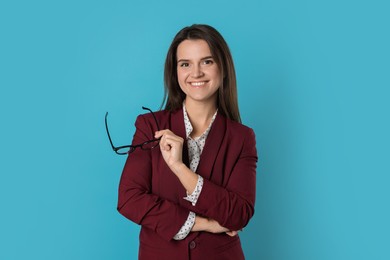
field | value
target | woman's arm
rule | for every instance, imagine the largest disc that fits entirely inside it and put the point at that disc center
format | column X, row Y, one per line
column 231, row 206
column 211, row 226
column 136, row 200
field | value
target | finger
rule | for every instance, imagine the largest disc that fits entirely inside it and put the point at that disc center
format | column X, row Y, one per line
column 173, row 140
column 170, row 137
column 160, row 133
column 232, row 233
column 169, row 142
column 168, row 133
column 164, row 145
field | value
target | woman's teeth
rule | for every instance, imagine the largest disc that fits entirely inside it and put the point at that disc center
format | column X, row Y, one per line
column 197, row 84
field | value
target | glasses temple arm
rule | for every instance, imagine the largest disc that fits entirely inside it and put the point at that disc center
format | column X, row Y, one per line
column 108, row 133
column 155, row 119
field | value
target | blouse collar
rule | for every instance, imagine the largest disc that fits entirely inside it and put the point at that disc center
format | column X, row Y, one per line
column 188, row 125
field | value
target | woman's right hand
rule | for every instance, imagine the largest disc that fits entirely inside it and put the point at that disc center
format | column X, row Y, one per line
column 211, row 225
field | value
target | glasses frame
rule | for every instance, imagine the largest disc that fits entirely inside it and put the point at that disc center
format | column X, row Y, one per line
column 133, row 147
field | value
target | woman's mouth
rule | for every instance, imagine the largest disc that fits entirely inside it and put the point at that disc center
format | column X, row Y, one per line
column 198, row 84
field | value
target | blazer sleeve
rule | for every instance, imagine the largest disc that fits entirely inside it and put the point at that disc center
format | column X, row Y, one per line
column 233, row 205
column 135, row 198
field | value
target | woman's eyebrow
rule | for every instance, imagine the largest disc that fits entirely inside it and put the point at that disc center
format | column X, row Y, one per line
column 182, row 60
column 187, row 60
column 207, row 57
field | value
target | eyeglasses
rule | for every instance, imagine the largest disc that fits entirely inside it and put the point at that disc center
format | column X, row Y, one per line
column 127, row 149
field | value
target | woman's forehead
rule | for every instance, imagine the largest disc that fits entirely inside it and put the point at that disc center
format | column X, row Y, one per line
column 193, row 49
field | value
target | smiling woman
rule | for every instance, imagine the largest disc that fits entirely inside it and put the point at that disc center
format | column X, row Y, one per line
column 217, row 51
column 198, row 74
column 194, row 191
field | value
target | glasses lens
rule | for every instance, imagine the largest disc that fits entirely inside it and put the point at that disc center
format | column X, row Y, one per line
column 125, row 150
column 150, row 144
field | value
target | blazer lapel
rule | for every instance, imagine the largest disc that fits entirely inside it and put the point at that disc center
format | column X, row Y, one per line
column 212, row 146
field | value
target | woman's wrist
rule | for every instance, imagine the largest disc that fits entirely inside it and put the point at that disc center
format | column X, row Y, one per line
column 178, row 167
column 188, row 178
column 210, row 225
column 201, row 224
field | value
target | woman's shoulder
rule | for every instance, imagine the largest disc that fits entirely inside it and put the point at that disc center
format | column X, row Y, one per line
column 241, row 135
column 237, row 127
column 159, row 114
column 163, row 117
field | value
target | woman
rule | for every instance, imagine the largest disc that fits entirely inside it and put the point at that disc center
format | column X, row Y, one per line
column 196, row 189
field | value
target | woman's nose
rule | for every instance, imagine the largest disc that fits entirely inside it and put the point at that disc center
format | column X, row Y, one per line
column 196, row 72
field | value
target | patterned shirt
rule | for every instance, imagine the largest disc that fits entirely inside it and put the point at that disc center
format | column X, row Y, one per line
column 195, row 148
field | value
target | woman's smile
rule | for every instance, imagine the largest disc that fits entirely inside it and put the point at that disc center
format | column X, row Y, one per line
column 198, row 74
column 198, row 83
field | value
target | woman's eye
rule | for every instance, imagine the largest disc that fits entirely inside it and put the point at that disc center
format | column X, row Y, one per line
column 208, row 62
column 184, row 64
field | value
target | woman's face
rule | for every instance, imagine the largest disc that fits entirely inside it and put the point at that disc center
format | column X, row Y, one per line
column 197, row 72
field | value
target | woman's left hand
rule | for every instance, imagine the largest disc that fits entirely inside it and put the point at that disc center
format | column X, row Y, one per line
column 232, row 233
column 171, row 147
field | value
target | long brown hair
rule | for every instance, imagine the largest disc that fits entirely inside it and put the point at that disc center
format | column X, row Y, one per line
column 227, row 101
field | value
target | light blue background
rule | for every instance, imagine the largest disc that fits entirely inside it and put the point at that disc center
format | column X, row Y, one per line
column 313, row 83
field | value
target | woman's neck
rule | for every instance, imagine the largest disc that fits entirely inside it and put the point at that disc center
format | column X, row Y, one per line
column 200, row 115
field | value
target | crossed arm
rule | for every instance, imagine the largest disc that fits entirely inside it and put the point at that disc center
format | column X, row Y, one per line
column 217, row 204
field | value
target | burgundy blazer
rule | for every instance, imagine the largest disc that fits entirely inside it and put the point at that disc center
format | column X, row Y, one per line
column 152, row 196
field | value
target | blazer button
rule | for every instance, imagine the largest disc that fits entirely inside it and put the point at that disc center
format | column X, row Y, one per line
column 192, row 245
